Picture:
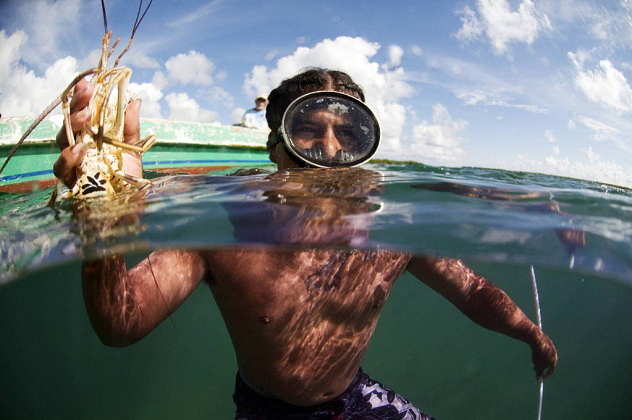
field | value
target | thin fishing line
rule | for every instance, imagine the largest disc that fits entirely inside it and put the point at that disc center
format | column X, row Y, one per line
column 139, row 17
column 105, row 16
column 538, row 315
column 164, row 301
column 151, row 269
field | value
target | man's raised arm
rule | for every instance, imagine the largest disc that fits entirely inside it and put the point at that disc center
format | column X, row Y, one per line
column 124, row 306
column 485, row 304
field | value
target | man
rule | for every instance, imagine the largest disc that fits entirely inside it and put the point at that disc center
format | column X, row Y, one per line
column 256, row 117
column 299, row 320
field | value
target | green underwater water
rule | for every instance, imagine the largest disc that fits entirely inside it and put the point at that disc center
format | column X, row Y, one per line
column 54, row 366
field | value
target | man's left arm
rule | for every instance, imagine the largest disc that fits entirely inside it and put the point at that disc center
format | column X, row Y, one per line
column 486, row 304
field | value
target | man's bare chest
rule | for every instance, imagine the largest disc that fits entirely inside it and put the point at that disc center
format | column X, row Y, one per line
column 343, row 278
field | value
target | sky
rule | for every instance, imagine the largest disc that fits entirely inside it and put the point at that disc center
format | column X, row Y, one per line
column 529, row 85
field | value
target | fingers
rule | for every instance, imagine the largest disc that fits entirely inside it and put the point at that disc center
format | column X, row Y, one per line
column 131, row 127
column 65, row 167
column 70, row 158
column 545, row 358
column 132, row 164
column 79, row 111
column 81, row 96
column 573, row 238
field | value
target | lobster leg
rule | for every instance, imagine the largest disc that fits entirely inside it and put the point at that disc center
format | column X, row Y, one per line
column 124, row 146
column 65, row 108
column 141, row 146
column 131, row 179
column 148, row 142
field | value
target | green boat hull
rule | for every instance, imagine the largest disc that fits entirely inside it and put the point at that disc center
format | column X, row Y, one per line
column 181, row 147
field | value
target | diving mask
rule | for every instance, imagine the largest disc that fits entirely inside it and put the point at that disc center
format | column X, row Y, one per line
column 330, row 129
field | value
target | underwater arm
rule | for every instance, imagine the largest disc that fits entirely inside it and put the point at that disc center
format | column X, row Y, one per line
column 486, row 304
column 571, row 238
column 125, row 305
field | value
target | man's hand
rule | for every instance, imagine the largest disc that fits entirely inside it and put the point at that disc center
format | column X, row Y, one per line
column 71, row 157
column 544, row 355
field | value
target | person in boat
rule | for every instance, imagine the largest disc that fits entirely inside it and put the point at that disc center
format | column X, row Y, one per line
column 256, row 117
column 299, row 319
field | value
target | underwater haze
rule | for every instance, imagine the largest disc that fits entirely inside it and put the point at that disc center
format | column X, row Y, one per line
column 576, row 234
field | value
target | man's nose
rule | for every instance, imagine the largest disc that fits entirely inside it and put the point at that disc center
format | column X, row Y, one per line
column 331, row 144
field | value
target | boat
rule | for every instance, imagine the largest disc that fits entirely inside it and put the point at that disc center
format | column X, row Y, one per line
column 181, row 147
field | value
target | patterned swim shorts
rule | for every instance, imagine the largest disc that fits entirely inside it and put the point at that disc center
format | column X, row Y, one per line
column 365, row 399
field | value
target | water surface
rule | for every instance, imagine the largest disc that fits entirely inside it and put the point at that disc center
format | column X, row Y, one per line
column 499, row 222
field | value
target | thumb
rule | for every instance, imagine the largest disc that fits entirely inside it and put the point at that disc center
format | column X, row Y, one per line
column 131, row 127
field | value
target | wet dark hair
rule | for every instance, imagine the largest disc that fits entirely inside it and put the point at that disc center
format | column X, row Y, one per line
column 305, row 82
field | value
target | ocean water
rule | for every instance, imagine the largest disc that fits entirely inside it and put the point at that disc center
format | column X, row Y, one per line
column 576, row 234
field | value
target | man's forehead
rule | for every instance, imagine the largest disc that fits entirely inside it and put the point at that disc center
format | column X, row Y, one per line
column 325, row 115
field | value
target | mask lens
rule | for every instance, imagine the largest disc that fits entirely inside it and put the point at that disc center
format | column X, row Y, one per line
column 330, row 129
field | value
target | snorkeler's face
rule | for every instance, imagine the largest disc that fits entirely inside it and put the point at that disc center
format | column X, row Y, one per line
column 328, row 129
column 324, row 134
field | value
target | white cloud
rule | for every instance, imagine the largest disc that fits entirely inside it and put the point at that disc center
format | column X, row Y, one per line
column 90, row 60
column 159, row 80
column 439, row 142
column 594, row 168
column 601, row 131
column 604, row 85
column 236, row 114
column 491, row 98
column 197, row 14
column 138, row 59
column 383, row 88
column 184, row 108
column 416, row 50
column 191, row 68
column 271, row 54
column 568, row 10
column 471, row 27
column 591, row 155
column 151, row 95
column 607, row 22
column 22, row 93
column 501, row 24
column 550, row 137
column 48, row 22
column 9, row 52
column 395, row 54
column 477, row 85
column 219, row 96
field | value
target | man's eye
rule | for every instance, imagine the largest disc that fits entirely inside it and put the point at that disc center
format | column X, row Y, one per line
column 345, row 133
column 306, row 132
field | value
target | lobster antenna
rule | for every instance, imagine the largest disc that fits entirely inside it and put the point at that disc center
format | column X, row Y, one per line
column 137, row 21
column 105, row 16
column 538, row 314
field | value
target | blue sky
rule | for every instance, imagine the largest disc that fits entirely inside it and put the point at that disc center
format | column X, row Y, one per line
column 515, row 84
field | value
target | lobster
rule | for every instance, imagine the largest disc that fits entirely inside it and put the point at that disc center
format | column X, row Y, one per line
column 101, row 171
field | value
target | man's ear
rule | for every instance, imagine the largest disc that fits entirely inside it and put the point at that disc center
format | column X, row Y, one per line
column 272, row 151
